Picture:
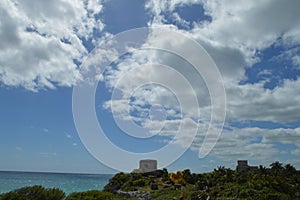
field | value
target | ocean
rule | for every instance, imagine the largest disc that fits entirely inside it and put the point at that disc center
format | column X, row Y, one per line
column 67, row 182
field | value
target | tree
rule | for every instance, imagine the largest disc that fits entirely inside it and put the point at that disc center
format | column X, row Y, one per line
column 262, row 170
column 188, row 177
column 290, row 169
column 276, row 167
column 165, row 175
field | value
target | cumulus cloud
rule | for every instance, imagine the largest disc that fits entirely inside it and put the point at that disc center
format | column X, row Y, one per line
column 256, row 144
column 158, row 9
column 296, row 152
column 41, row 40
column 236, row 34
column 174, row 84
column 246, row 102
column 234, row 37
column 144, row 93
column 238, row 31
column 253, row 24
column 244, row 25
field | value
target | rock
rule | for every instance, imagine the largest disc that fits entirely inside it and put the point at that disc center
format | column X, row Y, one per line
column 140, row 195
column 153, row 186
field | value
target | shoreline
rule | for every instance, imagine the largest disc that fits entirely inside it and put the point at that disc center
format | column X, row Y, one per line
column 68, row 182
column 48, row 172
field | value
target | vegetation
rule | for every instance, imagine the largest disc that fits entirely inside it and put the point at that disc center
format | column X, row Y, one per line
column 41, row 193
column 262, row 183
column 34, row 193
column 127, row 182
column 94, row 195
column 276, row 182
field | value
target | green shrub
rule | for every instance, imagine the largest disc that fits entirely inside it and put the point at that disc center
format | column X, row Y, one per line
column 199, row 195
column 34, row 193
column 90, row 195
column 116, row 182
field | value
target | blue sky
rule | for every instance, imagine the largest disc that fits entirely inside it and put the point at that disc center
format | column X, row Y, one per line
column 44, row 46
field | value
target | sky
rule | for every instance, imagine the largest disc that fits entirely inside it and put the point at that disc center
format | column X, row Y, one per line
column 149, row 97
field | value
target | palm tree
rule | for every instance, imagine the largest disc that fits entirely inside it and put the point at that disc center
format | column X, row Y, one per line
column 262, row 170
column 276, row 167
column 229, row 174
column 220, row 171
column 290, row 169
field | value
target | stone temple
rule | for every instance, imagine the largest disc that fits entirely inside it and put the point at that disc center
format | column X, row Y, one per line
column 146, row 166
column 243, row 165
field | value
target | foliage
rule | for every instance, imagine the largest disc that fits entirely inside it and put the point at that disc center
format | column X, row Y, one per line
column 262, row 183
column 34, row 193
column 116, row 182
column 165, row 175
column 127, row 182
column 166, row 193
column 89, row 195
column 276, row 182
column 94, row 195
column 199, row 195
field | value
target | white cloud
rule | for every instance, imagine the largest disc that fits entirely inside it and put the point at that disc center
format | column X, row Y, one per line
column 247, row 27
column 255, row 144
column 253, row 102
column 296, row 152
column 296, row 60
column 281, row 135
column 158, row 8
column 234, row 36
column 41, row 40
column 151, row 83
column 245, row 102
column 290, row 55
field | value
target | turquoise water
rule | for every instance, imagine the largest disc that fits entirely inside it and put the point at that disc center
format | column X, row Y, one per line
column 67, row 182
